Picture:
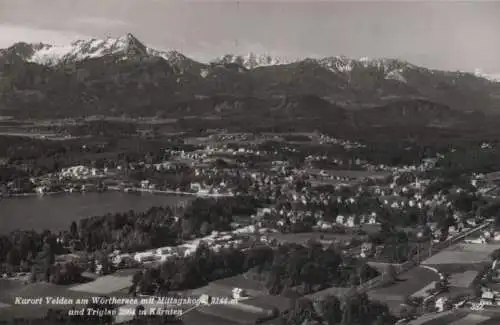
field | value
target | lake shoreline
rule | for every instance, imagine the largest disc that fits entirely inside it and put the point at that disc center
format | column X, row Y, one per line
column 116, row 189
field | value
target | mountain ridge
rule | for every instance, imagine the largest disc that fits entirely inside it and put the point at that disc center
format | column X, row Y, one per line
column 82, row 49
column 123, row 76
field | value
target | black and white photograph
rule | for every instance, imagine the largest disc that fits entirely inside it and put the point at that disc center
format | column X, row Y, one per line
column 275, row 162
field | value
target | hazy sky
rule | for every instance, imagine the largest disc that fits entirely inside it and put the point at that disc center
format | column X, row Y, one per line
column 438, row 34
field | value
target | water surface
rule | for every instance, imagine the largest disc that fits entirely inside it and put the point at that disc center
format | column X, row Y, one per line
column 56, row 212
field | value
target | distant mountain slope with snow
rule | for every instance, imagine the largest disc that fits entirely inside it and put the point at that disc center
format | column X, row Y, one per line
column 491, row 77
column 128, row 46
column 252, row 60
column 87, row 49
column 109, row 73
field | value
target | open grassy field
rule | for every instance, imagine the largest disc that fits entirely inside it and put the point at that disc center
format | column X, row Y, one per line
column 471, row 319
column 491, row 321
column 464, row 279
column 232, row 313
column 9, row 292
column 38, row 289
column 268, row 302
column 104, row 285
column 211, row 289
column 444, row 318
column 422, row 293
column 408, row 283
column 223, row 287
column 463, row 254
column 196, row 317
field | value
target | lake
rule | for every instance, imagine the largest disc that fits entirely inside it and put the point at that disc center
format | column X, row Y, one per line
column 56, row 212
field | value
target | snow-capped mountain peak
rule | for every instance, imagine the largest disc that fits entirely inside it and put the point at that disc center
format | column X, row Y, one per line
column 490, row 77
column 252, row 60
column 174, row 57
column 337, row 64
column 392, row 68
column 126, row 45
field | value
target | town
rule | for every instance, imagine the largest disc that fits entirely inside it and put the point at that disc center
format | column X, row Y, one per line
column 275, row 227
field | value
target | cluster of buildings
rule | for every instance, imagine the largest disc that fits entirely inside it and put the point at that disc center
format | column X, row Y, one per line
column 82, row 172
column 324, row 139
column 216, row 241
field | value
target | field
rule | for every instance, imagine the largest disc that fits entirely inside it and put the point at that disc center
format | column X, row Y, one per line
column 105, row 285
column 18, row 289
column 408, row 283
column 223, row 287
column 423, row 292
column 463, row 280
column 196, row 317
column 444, row 318
column 232, row 313
column 10, row 289
column 269, row 302
column 471, row 319
column 463, row 254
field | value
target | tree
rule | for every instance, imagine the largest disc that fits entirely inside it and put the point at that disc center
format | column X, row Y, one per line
column 56, row 274
column 356, row 310
column 71, row 273
column 13, row 257
column 331, row 310
column 47, row 257
column 307, row 273
column 205, row 228
column 137, row 277
column 390, row 274
column 33, row 272
column 408, row 312
column 495, row 255
column 441, row 286
column 302, row 313
column 187, row 227
column 73, row 230
column 105, row 263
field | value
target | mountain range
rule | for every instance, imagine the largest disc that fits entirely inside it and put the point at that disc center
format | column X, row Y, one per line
column 122, row 76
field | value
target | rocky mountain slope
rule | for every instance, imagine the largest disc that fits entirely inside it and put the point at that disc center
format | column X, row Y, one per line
column 123, row 76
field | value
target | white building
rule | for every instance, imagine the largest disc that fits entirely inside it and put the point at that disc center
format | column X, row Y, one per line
column 367, row 250
column 144, row 257
column 441, row 304
column 373, row 219
column 350, row 222
column 488, row 298
column 238, row 293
